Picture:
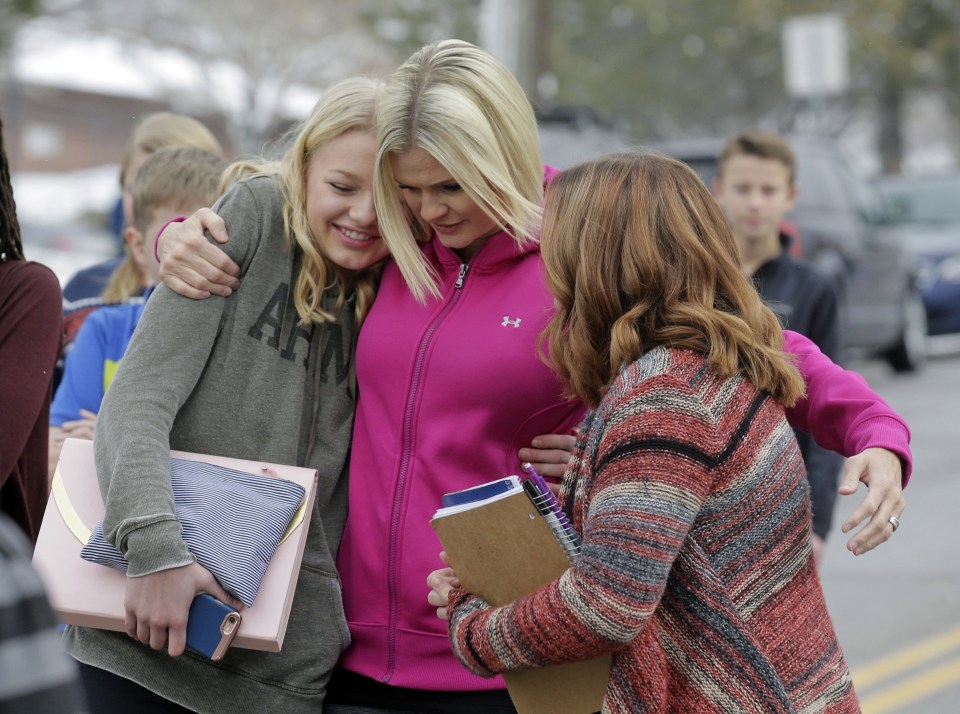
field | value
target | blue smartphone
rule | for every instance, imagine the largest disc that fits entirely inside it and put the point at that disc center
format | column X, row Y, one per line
column 211, row 626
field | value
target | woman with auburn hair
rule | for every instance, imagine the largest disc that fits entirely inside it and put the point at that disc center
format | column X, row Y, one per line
column 655, row 264
column 696, row 570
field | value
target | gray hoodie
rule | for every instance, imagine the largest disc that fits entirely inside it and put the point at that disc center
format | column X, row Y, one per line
column 235, row 376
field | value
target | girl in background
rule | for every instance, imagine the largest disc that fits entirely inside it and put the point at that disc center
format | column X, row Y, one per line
column 120, row 279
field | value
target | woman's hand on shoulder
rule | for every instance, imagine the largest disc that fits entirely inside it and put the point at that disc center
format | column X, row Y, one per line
column 190, row 264
column 549, row 454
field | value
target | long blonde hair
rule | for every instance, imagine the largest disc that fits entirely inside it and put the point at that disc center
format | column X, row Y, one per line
column 466, row 109
column 638, row 255
column 160, row 130
column 348, row 105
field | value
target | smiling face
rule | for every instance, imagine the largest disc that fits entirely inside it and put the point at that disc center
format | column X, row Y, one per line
column 339, row 201
column 432, row 193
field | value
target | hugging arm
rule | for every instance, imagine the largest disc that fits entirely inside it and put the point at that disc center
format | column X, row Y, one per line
column 843, row 414
column 190, row 264
column 549, row 454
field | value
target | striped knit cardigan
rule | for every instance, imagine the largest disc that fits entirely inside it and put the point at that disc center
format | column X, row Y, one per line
column 696, row 570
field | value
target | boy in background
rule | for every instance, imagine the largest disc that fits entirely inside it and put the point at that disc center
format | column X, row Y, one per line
column 755, row 185
column 171, row 182
column 118, row 279
column 121, row 280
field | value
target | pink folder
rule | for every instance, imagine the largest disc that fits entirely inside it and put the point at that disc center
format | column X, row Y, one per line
column 83, row 593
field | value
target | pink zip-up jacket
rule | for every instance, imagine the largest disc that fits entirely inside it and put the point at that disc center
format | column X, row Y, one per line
column 448, row 393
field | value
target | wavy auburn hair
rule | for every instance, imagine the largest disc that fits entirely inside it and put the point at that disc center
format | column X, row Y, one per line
column 638, row 255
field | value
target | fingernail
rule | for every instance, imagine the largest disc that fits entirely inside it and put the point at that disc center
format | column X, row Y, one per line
column 536, row 443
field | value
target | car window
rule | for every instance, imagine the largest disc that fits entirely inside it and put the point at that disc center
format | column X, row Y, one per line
column 933, row 201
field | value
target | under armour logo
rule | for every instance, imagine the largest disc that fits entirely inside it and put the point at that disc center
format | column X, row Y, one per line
column 507, row 321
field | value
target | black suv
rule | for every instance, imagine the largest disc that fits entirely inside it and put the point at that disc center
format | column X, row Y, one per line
column 845, row 231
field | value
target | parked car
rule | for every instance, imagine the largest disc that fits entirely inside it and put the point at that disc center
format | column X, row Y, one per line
column 844, row 229
column 927, row 208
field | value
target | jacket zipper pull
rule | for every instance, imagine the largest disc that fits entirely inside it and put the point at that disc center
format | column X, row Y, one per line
column 463, row 271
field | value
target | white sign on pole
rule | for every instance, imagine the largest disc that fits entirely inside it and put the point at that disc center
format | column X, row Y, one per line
column 499, row 30
column 815, row 55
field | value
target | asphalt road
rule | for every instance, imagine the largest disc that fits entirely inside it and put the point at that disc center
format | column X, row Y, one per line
column 897, row 608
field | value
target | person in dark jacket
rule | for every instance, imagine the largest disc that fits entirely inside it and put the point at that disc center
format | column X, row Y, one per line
column 755, row 185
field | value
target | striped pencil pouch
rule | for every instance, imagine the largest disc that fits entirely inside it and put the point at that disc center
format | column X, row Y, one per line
column 232, row 521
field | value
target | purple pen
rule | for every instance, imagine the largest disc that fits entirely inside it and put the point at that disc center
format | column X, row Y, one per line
column 551, row 501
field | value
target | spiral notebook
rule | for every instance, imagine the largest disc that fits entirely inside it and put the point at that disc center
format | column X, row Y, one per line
column 503, row 546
